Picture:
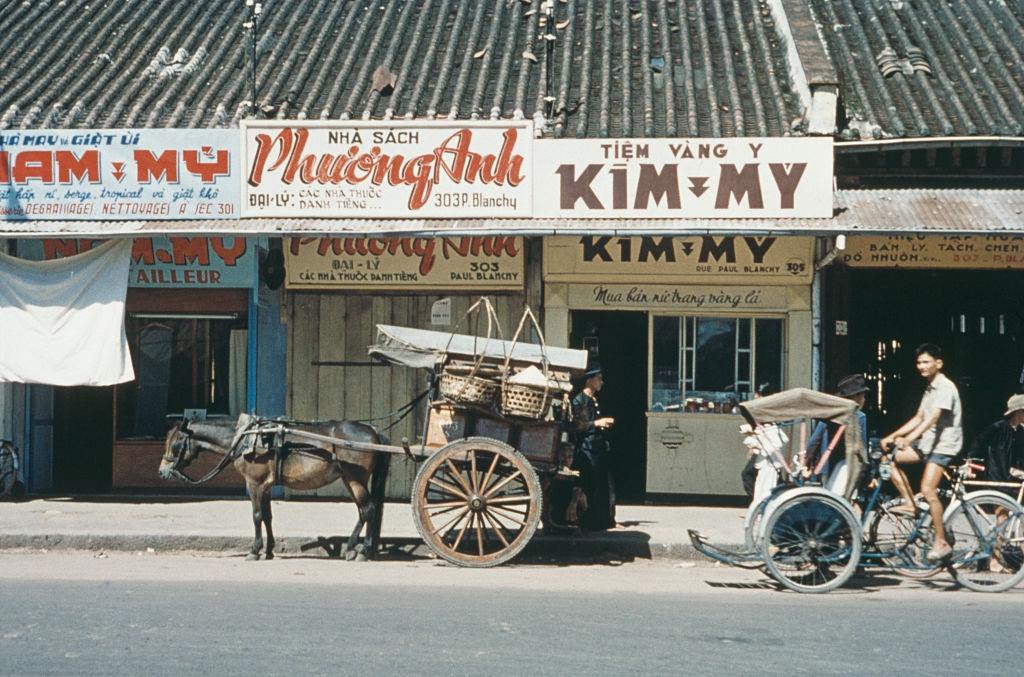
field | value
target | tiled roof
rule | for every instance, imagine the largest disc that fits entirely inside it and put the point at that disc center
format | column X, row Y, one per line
column 618, row 68
column 913, row 68
column 915, row 210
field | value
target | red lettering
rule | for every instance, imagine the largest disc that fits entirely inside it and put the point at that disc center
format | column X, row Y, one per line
column 190, row 250
column 59, row 249
column 207, row 171
column 33, row 164
column 453, row 158
column 142, row 251
column 86, row 167
column 229, row 255
column 162, row 168
column 264, row 145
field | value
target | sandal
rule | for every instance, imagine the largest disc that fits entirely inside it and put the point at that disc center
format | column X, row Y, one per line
column 936, row 555
column 904, row 509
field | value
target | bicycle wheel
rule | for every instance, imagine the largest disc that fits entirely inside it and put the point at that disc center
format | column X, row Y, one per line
column 811, row 543
column 987, row 534
column 890, row 534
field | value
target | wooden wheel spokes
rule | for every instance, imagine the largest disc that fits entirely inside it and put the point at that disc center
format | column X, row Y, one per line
column 477, row 502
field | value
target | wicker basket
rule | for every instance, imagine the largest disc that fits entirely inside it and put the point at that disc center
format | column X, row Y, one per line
column 468, row 389
column 524, row 401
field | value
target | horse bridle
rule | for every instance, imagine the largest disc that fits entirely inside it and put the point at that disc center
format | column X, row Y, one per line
column 185, row 446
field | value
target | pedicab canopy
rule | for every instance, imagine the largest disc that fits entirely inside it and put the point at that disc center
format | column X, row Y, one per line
column 423, row 348
column 806, row 403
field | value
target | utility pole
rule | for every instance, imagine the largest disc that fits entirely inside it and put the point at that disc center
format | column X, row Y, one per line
column 252, row 23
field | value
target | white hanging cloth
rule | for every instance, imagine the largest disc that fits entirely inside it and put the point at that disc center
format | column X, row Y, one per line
column 62, row 321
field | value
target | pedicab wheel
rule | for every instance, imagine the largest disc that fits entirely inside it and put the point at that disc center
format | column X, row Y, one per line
column 987, row 535
column 477, row 502
column 811, row 543
column 888, row 533
column 752, row 523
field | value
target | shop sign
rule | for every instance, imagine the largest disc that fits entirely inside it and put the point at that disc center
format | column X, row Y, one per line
column 393, row 169
column 676, row 297
column 935, row 251
column 784, row 260
column 119, row 174
column 169, row 262
column 733, row 178
column 489, row 263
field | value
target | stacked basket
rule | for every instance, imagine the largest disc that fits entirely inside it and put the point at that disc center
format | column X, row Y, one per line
column 469, row 383
column 523, row 400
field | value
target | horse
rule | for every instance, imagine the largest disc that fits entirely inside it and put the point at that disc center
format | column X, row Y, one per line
column 302, row 463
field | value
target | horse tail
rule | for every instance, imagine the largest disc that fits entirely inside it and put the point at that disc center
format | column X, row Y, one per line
column 378, row 483
column 379, row 477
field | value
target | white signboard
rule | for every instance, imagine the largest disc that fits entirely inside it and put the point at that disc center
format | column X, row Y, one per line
column 392, row 169
column 118, row 174
column 684, row 178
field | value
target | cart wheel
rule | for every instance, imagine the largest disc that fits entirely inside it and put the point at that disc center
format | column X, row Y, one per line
column 477, row 502
column 811, row 543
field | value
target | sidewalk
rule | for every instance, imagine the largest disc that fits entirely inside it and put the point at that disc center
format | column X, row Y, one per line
column 225, row 526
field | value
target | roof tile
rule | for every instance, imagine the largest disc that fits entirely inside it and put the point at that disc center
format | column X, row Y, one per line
column 974, row 49
column 617, row 68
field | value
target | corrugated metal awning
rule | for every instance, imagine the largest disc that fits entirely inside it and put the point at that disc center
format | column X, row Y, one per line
column 938, row 211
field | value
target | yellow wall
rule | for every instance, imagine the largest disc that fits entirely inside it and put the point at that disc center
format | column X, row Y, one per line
column 702, row 453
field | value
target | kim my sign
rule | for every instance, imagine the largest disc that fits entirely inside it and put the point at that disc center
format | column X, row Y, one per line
column 684, row 178
column 773, row 260
column 393, row 169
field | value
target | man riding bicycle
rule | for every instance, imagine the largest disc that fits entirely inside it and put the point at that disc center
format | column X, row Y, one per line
column 934, row 436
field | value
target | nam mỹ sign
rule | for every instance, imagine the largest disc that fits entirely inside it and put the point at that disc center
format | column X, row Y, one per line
column 168, row 262
column 389, row 169
column 118, row 174
column 397, row 263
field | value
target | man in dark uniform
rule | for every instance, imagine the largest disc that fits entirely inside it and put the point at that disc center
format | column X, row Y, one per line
column 593, row 453
column 1001, row 445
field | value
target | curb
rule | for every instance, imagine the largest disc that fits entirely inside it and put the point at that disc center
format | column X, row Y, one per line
column 562, row 549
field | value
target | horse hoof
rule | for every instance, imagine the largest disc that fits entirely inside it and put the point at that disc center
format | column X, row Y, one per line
column 252, row 557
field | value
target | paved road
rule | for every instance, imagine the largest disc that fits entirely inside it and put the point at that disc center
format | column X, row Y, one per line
column 125, row 614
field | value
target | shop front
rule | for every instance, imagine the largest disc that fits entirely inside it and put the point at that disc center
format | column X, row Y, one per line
column 963, row 293
column 191, row 320
column 685, row 327
column 340, row 288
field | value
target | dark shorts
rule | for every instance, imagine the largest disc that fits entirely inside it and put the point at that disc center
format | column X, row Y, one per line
column 941, row 460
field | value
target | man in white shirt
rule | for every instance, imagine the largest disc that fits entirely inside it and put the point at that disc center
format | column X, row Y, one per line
column 933, row 436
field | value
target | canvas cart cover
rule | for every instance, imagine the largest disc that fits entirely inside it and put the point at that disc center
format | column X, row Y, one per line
column 62, row 321
column 802, row 402
column 422, row 348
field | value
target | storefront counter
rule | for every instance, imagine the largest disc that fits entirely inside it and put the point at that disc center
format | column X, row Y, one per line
column 694, row 453
column 136, row 463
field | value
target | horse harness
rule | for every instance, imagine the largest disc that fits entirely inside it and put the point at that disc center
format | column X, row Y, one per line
column 273, row 434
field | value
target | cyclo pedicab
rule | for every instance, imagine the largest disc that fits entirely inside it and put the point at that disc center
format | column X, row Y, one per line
column 813, row 531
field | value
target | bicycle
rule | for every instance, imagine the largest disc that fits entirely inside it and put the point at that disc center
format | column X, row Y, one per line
column 812, row 533
column 986, row 529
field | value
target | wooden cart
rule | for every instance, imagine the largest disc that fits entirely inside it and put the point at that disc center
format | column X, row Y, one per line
column 477, row 496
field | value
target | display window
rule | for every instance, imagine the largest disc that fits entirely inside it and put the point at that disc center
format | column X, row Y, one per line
column 708, row 364
column 195, row 362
